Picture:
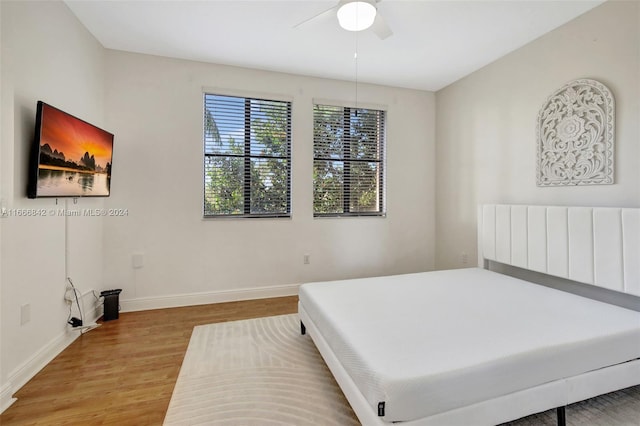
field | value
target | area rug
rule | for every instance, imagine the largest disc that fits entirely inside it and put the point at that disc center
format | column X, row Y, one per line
column 264, row 372
column 256, row 372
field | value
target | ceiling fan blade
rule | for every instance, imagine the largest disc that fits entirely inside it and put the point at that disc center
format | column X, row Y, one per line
column 317, row 16
column 380, row 28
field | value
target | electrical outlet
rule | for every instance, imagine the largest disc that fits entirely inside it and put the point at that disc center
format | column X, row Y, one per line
column 68, row 294
column 137, row 260
column 25, row 313
column 464, row 258
column 306, row 259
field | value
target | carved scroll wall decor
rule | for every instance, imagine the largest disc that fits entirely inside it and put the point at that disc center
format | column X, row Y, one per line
column 576, row 135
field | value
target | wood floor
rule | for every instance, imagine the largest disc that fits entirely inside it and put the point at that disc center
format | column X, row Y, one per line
column 124, row 371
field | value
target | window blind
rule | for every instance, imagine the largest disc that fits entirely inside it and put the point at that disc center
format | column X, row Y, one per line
column 247, row 157
column 348, row 161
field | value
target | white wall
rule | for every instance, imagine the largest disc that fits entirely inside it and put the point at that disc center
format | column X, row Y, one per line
column 154, row 106
column 46, row 55
column 486, row 137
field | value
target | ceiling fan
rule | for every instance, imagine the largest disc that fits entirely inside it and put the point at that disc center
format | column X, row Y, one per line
column 356, row 15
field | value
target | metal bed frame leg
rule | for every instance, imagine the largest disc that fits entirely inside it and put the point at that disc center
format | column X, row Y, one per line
column 303, row 329
column 562, row 417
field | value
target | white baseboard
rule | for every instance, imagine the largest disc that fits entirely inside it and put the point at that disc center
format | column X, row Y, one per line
column 175, row 301
column 28, row 369
column 25, row 372
column 5, row 397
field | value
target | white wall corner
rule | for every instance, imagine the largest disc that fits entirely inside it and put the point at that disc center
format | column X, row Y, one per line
column 175, row 301
column 5, row 396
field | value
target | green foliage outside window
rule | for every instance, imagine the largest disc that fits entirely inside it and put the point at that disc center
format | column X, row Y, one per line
column 247, row 157
column 348, row 161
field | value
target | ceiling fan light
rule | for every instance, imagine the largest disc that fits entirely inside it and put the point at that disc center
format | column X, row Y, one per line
column 356, row 15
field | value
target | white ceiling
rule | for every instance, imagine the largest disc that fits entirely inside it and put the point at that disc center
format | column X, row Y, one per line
column 434, row 43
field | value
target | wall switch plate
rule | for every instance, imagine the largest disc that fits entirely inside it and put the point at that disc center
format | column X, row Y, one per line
column 306, row 259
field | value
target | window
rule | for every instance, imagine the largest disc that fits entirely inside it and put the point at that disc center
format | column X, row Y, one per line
column 247, row 157
column 348, row 161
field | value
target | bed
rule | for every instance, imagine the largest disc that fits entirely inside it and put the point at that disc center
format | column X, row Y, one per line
column 472, row 346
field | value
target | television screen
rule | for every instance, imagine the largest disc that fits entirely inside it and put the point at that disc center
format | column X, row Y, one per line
column 70, row 157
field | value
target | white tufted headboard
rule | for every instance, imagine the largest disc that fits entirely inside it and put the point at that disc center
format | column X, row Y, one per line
column 592, row 245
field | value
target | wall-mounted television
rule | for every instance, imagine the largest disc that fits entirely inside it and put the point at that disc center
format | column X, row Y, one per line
column 69, row 157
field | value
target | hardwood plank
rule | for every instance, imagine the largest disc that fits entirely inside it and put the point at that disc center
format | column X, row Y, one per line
column 124, row 371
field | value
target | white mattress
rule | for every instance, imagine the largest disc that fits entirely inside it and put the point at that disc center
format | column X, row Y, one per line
column 431, row 342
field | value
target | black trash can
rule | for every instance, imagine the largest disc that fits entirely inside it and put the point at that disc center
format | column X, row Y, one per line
column 111, row 304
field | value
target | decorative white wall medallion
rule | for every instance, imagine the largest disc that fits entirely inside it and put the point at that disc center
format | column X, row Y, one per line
column 575, row 135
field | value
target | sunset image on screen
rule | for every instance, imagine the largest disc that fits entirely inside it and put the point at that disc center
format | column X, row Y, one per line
column 75, row 156
column 73, row 139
